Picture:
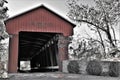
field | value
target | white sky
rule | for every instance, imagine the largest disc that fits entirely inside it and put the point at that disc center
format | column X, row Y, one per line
column 18, row 6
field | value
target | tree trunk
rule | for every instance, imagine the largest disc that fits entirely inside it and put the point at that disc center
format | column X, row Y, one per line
column 102, row 42
column 110, row 38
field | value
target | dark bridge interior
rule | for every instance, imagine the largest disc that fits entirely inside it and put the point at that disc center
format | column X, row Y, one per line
column 40, row 48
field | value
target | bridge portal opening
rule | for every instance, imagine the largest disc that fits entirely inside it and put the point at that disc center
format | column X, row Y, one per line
column 38, row 52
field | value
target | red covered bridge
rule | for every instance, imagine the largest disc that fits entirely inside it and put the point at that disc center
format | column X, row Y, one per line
column 40, row 36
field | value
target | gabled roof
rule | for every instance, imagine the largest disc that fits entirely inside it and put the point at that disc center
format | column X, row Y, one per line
column 45, row 7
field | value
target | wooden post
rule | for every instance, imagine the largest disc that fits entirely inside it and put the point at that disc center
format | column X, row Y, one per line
column 13, row 54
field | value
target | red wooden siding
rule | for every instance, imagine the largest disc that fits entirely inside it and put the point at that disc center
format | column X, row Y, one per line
column 40, row 20
column 37, row 20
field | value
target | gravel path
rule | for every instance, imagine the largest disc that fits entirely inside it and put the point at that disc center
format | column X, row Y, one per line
column 56, row 76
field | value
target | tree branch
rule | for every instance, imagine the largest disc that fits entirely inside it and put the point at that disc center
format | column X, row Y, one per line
column 85, row 21
column 114, row 34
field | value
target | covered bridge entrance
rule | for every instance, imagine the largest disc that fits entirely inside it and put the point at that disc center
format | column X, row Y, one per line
column 39, row 36
column 40, row 48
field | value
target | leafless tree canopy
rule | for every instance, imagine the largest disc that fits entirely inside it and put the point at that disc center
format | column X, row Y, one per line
column 103, row 18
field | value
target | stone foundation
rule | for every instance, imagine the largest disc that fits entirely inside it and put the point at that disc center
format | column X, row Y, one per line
column 62, row 49
column 83, row 64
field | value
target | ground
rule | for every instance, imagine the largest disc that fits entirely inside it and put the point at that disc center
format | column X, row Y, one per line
column 56, row 76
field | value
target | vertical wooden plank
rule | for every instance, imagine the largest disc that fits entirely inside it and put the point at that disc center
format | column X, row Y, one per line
column 13, row 55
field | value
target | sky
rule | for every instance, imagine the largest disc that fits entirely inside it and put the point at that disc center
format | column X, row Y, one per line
column 59, row 6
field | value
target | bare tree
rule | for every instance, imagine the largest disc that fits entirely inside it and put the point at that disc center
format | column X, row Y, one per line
column 3, row 45
column 3, row 17
column 103, row 17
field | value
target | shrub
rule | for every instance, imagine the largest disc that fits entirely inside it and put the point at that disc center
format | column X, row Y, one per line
column 94, row 68
column 114, row 69
column 73, row 67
